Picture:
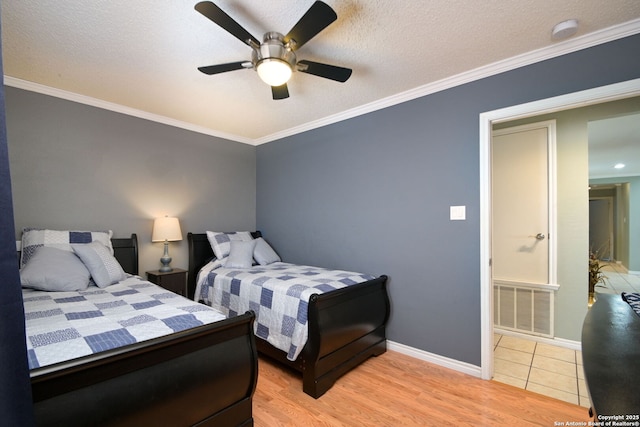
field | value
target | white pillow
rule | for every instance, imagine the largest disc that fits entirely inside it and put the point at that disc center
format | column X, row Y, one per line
column 52, row 269
column 35, row 238
column 221, row 242
column 104, row 268
column 241, row 254
column 263, row 253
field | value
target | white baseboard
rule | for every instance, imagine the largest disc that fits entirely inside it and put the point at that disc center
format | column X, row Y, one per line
column 436, row 359
column 468, row 368
column 559, row 342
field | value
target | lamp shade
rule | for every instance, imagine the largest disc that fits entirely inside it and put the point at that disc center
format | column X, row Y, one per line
column 166, row 229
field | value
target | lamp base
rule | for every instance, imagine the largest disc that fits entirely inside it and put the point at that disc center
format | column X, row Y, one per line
column 166, row 259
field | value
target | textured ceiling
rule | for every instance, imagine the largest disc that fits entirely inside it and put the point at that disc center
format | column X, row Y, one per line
column 142, row 57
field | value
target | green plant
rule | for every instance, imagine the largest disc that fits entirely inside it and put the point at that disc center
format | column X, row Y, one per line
column 595, row 272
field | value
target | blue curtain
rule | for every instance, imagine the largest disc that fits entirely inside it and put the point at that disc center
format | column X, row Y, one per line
column 15, row 388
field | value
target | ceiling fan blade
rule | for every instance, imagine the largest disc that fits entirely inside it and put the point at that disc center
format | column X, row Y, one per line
column 339, row 74
column 222, row 68
column 280, row 92
column 219, row 17
column 316, row 19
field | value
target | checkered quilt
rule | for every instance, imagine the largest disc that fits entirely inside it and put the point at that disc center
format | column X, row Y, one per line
column 66, row 325
column 633, row 299
column 279, row 295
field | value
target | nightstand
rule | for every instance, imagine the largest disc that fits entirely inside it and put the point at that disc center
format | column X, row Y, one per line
column 175, row 280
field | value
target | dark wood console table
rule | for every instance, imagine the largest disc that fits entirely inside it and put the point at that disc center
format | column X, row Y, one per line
column 611, row 357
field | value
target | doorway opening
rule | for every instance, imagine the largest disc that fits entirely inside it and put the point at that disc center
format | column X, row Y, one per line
column 523, row 227
column 487, row 120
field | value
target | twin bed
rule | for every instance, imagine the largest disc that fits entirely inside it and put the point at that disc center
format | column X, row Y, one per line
column 346, row 313
column 204, row 372
column 143, row 355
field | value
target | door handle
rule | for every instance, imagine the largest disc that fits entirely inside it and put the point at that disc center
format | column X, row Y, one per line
column 540, row 236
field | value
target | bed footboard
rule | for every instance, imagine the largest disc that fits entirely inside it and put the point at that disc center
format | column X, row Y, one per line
column 346, row 327
column 202, row 376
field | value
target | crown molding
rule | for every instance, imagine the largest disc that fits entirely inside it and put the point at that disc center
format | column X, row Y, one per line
column 579, row 43
column 105, row 105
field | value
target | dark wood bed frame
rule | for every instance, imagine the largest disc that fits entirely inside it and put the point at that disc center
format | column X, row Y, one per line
column 346, row 326
column 204, row 376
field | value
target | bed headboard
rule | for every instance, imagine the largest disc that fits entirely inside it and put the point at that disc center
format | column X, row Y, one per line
column 125, row 250
column 200, row 253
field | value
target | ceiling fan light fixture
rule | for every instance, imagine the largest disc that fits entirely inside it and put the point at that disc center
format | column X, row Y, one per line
column 274, row 71
column 274, row 59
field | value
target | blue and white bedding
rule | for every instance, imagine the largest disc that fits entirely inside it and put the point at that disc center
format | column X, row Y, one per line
column 66, row 325
column 633, row 299
column 278, row 293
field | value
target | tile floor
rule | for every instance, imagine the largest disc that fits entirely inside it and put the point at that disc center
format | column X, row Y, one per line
column 617, row 280
column 552, row 370
column 539, row 367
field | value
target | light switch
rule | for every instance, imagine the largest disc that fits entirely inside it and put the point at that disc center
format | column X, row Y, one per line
column 457, row 213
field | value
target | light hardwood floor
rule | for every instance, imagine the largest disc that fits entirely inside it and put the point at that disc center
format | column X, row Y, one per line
column 397, row 390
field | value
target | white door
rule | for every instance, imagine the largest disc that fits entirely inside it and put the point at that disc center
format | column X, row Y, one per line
column 522, row 227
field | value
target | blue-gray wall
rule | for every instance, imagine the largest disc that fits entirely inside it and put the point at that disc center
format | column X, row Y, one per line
column 79, row 167
column 373, row 193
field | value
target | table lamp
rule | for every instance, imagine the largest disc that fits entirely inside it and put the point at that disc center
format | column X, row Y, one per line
column 166, row 229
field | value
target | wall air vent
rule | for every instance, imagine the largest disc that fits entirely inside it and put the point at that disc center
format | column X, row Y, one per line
column 523, row 309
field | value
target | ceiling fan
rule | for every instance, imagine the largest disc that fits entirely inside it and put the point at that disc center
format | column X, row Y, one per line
column 275, row 59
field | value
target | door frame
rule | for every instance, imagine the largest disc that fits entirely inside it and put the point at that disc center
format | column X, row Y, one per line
column 584, row 98
column 551, row 280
